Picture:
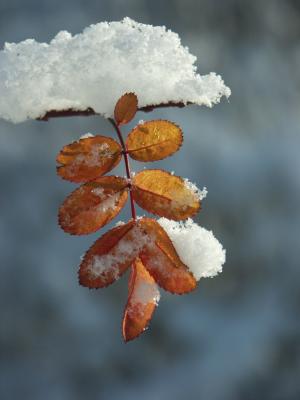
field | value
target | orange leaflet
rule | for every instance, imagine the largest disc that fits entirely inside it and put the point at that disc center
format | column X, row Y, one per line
column 111, row 255
column 162, row 261
column 93, row 205
column 126, row 108
column 142, row 300
column 88, row 158
column 164, row 194
column 154, row 140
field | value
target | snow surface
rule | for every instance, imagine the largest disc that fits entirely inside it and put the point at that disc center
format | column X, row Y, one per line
column 198, row 249
column 94, row 68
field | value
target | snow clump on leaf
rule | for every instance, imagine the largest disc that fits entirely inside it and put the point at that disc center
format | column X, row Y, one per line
column 197, row 247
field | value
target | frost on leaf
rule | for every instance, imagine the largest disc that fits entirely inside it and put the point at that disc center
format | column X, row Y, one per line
column 93, row 205
column 162, row 261
column 88, row 158
column 143, row 297
column 164, row 194
column 197, row 248
column 126, row 108
column 111, row 255
column 154, row 140
column 38, row 80
column 200, row 194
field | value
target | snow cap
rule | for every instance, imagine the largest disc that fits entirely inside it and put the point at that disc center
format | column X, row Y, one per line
column 91, row 70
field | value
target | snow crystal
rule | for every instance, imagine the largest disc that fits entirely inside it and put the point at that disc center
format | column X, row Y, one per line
column 94, row 68
column 200, row 194
column 198, row 249
column 86, row 135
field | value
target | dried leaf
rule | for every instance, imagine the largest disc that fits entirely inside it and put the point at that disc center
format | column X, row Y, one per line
column 164, row 194
column 154, row 140
column 88, row 158
column 142, row 300
column 126, row 108
column 93, row 205
column 111, row 255
column 162, row 261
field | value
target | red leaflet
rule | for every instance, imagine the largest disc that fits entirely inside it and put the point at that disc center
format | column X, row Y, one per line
column 142, row 300
column 162, row 261
column 126, row 108
column 109, row 257
column 93, row 205
column 88, row 158
column 154, row 140
column 164, row 194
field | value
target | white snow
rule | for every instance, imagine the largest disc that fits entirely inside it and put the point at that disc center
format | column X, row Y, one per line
column 126, row 249
column 200, row 194
column 97, row 155
column 197, row 247
column 94, row 68
column 187, row 198
column 143, row 294
column 108, row 202
column 86, row 135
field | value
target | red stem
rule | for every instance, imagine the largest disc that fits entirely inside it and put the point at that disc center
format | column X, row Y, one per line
column 127, row 166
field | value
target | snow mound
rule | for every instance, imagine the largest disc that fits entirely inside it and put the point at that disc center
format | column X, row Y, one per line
column 94, row 68
column 198, row 249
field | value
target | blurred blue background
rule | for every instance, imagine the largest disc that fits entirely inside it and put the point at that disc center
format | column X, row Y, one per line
column 237, row 336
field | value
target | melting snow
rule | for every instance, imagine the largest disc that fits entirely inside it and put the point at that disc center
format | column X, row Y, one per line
column 94, row 68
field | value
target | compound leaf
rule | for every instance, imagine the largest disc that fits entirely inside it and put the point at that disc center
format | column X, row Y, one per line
column 154, row 140
column 88, row 158
column 142, row 301
column 162, row 261
column 164, row 194
column 126, row 108
column 93, row 205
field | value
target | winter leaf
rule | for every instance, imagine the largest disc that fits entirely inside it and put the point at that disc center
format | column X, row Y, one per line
column 154, row 140
column 111, row 255
column 126, row 108
column 93, row 205
column 142, row 300
column 164, row 194
column 88, row 158
column 162, row 261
